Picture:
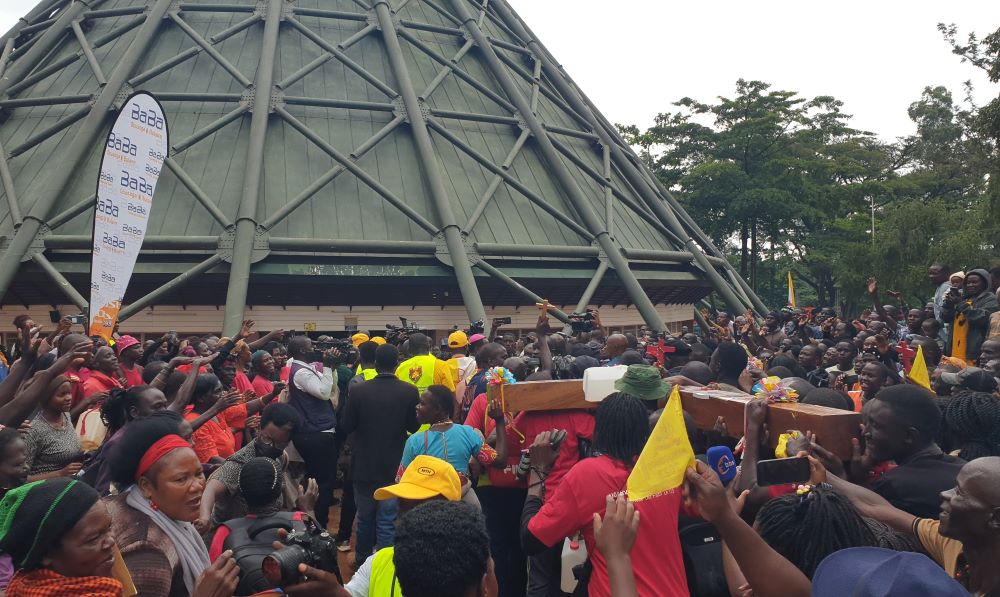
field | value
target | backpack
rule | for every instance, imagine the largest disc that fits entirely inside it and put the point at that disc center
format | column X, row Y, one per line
column 250, row 540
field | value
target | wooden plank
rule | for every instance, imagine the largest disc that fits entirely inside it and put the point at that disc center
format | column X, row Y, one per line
column 834, row 428
column 542, row 395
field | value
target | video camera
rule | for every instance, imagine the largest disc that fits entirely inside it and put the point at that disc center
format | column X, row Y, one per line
column 398, row 334
column 313, row 547
column 582, row 322
column 347, row 351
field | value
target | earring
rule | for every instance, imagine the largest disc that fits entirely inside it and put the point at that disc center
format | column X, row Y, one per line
column 153, row 505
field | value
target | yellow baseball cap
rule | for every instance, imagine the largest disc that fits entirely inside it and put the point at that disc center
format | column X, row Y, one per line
column 425, row 478
column 359, row 339
column 457, row 340
column 378, row 340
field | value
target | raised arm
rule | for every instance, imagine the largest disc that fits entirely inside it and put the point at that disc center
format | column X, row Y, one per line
column 544, row 352
column 766, row 570
column 28, row 349
column 32, row 394
column 496, row 413
column 263, row 340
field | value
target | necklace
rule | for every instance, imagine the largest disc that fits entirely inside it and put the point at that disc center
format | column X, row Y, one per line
column 442, row 422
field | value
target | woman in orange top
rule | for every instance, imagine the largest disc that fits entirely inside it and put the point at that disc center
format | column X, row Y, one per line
column 214, row 441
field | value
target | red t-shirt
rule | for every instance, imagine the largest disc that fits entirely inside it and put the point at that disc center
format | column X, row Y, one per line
column 98, row 382
column 506, row 477
column 76, row 377
column 262, row 386
column 656, row 558
column 285, row 371
column 133, row 376
column 242, row 383
column 578, row 424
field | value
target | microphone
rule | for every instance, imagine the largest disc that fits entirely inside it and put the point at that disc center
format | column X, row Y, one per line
column 721, row 459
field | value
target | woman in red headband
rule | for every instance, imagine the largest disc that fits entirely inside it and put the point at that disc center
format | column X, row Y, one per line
column 160, row 482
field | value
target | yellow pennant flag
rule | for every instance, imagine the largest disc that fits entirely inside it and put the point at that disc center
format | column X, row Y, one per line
column 918, row 371
column 666, row 456
column 791, row 291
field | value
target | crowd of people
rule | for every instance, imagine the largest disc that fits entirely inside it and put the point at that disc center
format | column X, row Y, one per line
column 213, row 466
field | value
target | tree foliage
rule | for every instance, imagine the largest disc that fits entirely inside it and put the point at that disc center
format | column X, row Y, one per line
column 785, row 183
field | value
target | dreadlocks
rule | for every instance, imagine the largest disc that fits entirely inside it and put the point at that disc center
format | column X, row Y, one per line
column 621, row 427
column 807, row 528
column 973, row 422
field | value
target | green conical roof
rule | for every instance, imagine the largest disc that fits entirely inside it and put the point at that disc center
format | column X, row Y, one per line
column 364, row 147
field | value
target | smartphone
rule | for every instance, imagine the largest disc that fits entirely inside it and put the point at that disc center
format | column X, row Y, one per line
column 782, row 471
column 77, row 319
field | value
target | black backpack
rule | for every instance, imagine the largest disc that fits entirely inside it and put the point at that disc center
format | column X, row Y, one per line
column 250, row 540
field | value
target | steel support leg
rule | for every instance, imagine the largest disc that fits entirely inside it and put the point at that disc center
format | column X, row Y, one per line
column 72, row 154
column 569, row 185
column 431, row 167
column 41, row 48
column 246, row 220
column 61, row 280
column 648, row 194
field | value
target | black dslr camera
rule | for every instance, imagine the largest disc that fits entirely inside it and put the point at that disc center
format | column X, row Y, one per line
column 312, row 547
column 582, row 322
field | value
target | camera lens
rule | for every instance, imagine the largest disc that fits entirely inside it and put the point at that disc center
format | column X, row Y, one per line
column 282, row 567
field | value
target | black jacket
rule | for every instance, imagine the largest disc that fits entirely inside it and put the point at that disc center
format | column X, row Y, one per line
column 379, row 412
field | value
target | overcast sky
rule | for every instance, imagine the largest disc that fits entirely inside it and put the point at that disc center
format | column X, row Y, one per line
column 634, row 58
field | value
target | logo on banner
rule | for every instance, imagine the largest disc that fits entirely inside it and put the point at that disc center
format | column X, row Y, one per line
column 133, row 160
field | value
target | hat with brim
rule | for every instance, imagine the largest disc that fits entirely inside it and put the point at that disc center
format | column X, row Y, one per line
column 877, row 572
column 476, row 338
column 425, row 478
column 643, row 382
column 972, row 378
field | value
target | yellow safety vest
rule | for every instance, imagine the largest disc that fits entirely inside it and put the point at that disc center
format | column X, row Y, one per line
column 418, row 371
column 367, row 373
column 383, row 582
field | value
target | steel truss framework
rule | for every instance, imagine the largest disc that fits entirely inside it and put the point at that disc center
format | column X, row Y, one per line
column 600, row 180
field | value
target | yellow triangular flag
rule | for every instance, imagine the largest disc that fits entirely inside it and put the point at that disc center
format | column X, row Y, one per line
column 918, row 371
column 666, row 456
column 791, row 291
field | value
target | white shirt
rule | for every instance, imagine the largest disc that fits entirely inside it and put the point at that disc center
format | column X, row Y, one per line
column 358, row 585
column 320, row 386
column 939, row 297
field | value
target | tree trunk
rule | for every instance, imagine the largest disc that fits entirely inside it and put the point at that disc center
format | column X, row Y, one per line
column 744, row 235
column 753, row 254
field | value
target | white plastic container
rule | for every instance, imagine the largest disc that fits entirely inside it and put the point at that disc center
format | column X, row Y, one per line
column 574, row 553
column 598, row 382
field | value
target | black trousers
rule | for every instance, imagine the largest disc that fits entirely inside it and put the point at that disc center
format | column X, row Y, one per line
column 320, row 452
column 545, row 573
column 502, row 507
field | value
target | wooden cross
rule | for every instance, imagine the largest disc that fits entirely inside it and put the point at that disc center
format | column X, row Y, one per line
column 834, row 428
column 907, row 354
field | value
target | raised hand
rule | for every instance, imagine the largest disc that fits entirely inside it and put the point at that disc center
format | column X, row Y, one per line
column 615, row 534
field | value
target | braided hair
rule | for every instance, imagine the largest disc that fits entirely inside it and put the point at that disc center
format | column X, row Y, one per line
column 807, row 528
column 261, row 481
column 973, row 420
column 116, row 411
column 621, row 427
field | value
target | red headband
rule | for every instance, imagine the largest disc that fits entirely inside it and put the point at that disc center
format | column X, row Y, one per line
column 162, row 447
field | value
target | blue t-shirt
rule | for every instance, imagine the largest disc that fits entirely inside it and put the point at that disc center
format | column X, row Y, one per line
column 456, row 445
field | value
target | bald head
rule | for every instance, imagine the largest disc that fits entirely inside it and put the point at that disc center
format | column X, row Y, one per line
column 616, row 345
column 981, row 478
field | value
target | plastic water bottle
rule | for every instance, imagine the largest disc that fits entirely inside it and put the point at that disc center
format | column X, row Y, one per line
column 574, row 553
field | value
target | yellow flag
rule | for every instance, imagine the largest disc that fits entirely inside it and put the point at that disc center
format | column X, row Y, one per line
column 918, row 372
column 666, row 456
column 791, row 291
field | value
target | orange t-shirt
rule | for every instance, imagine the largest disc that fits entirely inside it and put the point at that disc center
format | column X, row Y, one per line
column 215, row 437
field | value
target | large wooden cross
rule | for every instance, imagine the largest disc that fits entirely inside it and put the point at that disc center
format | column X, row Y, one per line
column 834, row 428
